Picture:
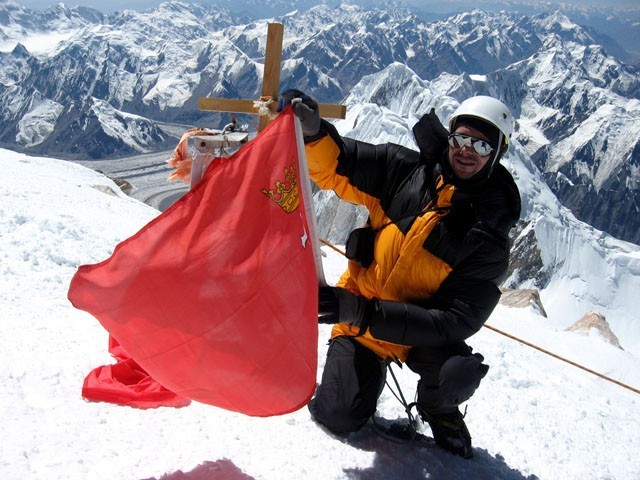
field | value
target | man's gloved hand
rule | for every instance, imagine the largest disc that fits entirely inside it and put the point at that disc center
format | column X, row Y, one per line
column 306, row 110
column 460, row 376
column 337, row 305
column 470, row 365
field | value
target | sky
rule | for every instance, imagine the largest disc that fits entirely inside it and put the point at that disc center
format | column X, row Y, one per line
column 119, row 5
column 532, row 415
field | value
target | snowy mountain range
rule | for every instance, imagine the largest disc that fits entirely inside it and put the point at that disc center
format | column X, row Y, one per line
column 75, row 83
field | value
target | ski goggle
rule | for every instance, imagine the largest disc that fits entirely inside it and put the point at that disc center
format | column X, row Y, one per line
column 482, row 148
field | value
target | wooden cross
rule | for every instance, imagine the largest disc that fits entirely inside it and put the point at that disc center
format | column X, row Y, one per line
column 270, row 85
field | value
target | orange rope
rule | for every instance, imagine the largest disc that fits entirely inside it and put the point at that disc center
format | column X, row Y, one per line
column 524, row 342
column 333, row 247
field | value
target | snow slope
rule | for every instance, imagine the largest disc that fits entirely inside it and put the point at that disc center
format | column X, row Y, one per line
column 533, row 417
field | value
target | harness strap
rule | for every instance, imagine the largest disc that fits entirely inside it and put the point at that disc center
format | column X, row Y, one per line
column 400, row 397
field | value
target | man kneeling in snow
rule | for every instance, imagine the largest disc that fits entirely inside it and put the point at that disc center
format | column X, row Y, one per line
column 423, row 274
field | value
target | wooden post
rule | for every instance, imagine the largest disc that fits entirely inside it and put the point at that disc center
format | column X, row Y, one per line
column 272, row 61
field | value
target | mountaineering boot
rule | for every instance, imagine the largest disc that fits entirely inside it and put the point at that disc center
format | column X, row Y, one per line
column 450, row 432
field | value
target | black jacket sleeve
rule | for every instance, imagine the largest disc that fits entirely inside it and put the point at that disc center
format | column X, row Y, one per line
column 461, row 306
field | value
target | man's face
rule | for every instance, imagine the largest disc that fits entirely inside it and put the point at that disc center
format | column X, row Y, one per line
column 464, row 161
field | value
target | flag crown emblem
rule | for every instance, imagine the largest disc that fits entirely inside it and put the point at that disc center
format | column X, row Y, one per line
column 285, row 194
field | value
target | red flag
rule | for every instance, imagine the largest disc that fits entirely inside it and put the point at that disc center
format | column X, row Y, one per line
column 127, row 383
column 216, row 298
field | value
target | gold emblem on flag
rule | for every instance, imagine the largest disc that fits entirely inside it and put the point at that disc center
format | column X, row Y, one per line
column 285, row 195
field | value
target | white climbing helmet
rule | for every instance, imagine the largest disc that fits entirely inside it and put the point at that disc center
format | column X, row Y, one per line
column 492, row 111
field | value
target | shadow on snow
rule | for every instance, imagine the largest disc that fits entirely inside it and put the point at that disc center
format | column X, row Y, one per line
column 410, row 461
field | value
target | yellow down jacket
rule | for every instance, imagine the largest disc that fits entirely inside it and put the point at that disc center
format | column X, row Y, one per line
column 441, row 247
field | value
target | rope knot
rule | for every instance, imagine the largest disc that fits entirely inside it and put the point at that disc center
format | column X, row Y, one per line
column 262, row 106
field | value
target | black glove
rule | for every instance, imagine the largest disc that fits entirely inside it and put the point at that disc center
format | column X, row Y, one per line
column 462, row 367
column 431, row 137
column 337, row 305
column 460, row 376
column 306, row 110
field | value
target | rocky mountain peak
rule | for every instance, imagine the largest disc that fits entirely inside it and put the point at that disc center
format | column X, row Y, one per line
column 595, row 323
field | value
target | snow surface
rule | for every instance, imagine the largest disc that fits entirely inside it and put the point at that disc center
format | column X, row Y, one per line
column 533, row 416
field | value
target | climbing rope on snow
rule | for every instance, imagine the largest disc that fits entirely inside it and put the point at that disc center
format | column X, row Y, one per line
column 333, row 247
column 554, row 355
